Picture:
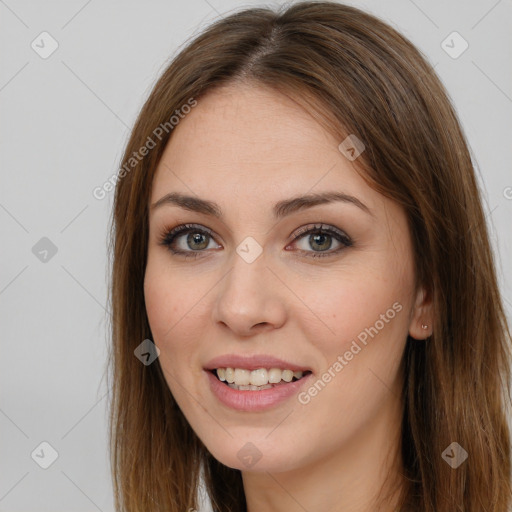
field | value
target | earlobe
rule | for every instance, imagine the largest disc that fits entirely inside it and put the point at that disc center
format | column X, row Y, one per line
column 421, row 326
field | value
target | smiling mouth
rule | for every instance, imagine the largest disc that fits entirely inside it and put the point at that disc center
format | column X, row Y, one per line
column 257, row 380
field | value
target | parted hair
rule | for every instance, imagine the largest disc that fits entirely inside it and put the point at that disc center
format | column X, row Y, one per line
column 357, row 75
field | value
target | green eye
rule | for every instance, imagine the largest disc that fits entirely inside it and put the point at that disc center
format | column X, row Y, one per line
column 196, row 236
column 198, row 239
column 321, row 237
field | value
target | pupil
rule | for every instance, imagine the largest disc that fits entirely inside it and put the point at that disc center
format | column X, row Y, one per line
column 322, row 240
column 195, row 238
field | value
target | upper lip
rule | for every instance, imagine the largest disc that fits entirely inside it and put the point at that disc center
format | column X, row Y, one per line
column 253, row 363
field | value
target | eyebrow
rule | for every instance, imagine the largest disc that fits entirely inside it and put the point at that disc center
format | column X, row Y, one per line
column 281, row 209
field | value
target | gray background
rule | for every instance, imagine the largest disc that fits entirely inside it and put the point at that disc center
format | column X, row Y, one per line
column 64, row 122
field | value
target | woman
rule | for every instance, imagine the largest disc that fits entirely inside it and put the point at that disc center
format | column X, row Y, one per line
column 305, row 305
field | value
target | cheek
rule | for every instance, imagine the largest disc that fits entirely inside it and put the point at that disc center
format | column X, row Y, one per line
column 168, row 296
column 361, row 346
column 360, row 340
column 347, row 306
column 170, row 310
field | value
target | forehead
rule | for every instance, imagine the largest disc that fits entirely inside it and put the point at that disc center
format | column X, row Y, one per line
column 257, row 143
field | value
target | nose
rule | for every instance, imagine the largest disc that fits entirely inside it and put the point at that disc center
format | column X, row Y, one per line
column 250, row 299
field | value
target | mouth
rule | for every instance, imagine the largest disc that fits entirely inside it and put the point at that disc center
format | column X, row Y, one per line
column 257, row 380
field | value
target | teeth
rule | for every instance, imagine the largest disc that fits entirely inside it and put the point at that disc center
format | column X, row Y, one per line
column 230, row 375
column 242, row 377
column 258, row 379
column 274, row 375
column 250, row 388
column 287, row 375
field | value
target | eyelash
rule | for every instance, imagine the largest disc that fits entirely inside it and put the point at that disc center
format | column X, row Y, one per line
column 168, row 237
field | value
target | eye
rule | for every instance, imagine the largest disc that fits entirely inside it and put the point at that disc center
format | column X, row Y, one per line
column 198, row 238
column 189, row 240
column 320, row 237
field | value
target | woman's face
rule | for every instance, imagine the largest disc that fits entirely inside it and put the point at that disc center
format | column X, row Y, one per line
column 253, row 284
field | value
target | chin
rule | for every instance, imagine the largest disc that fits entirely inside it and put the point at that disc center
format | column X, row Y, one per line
column 255, row 456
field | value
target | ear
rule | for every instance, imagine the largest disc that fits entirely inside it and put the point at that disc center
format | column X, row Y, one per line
column 422, row 316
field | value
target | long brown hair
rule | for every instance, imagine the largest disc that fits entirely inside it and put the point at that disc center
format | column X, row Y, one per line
column 359, row 76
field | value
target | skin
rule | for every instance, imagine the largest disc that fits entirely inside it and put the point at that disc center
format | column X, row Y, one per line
column 247, row 147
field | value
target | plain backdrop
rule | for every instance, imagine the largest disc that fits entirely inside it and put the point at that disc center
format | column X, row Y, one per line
column 64, row 121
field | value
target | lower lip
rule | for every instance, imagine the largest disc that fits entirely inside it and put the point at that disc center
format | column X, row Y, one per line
column 246, row 400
